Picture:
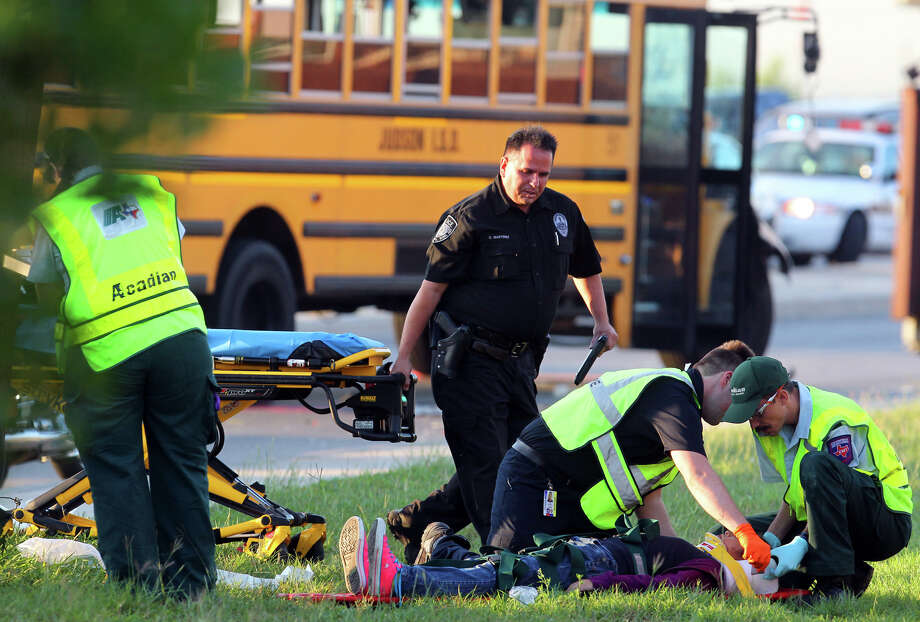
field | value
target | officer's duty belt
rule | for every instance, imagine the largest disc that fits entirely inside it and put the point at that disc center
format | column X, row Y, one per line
column 495, row 344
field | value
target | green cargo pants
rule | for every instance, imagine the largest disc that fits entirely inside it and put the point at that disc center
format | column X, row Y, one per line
column 158, row 530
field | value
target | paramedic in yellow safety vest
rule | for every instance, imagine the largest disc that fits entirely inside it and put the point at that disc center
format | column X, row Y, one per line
column 132, row 348
column 846, row 487
column 607, row 449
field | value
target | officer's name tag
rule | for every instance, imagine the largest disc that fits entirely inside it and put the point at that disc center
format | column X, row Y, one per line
column 549, row 503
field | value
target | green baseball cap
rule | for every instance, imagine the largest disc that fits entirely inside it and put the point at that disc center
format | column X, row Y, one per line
column 755, row 379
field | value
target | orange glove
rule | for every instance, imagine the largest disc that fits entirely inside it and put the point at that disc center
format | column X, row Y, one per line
column 756, row 550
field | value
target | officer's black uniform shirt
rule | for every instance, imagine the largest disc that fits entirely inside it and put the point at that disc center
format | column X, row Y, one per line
column 506, row 269
column 664, row 418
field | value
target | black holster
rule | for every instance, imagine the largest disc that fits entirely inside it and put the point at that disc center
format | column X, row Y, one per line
column 450, row 351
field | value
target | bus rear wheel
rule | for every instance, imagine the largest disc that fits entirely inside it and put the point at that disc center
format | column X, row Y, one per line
column 256, row 290
column 756, row 320
column 67, row 466
column 852, row 240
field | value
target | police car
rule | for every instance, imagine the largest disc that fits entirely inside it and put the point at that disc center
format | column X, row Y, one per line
column 827, row 191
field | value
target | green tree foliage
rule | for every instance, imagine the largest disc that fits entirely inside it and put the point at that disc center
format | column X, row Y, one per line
column 138, row 54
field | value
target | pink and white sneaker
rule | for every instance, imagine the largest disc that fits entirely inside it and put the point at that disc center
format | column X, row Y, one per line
column 383, row 568
column 353, row 552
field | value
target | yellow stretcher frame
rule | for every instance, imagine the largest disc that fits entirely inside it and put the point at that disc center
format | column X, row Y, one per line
column 383, row 412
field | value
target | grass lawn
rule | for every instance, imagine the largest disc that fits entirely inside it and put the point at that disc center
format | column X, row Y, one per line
column 74, row 591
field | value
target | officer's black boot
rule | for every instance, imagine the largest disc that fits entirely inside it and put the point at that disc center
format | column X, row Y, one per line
column 400, row 525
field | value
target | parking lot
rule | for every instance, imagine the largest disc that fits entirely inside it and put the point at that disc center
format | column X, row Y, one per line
column 832, row 329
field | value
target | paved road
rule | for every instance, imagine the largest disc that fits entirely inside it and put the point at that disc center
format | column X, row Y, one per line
column 832, row 329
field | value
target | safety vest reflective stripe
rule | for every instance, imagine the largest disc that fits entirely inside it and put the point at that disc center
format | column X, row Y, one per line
column 617, row 471
column 128, row 289
column 629, row 481
column 646, row 485
column 829, row 409
column 126, row 316
column 602, row 393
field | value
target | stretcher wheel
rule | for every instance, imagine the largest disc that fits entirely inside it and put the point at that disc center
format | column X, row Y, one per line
column 314, row 554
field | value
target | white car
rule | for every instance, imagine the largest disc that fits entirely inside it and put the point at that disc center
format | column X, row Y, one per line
column 827, row 191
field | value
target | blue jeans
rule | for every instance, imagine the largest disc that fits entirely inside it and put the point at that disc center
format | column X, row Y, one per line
column 483, row 578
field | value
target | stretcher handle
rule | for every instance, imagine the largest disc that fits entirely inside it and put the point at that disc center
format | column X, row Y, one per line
column 371, row 436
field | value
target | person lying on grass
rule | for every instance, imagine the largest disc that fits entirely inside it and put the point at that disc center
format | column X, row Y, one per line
column 575, row 563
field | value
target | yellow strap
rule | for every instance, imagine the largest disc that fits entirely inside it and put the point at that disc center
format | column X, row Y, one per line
column 713, row 545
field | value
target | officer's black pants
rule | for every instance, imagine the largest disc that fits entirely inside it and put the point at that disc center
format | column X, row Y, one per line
column 484, row 410
column 847, row 522
column 847, row 517
column 517, row 507
column 161, row 530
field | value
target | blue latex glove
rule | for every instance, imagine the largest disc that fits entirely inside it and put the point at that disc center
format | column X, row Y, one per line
column 788, row 557
column 770, row 538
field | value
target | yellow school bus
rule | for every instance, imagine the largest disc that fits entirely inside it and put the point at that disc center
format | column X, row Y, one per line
column 366, row 119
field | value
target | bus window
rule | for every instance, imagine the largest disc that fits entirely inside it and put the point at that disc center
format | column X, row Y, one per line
column 660, row 282
column 424, row 31
column 226, row 27
column 517, row 74
column 469, row 64
column 224, row 34
column 373, row 55
column 725, row 70
column 666, row 95
column 610, row 52
column 270, row 50
column 322, row 46
column 718, row 241
column 227, row 13
column 565, row 43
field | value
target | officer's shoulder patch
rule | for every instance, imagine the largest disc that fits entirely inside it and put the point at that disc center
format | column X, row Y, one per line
column 446, row 229
column 841, row 447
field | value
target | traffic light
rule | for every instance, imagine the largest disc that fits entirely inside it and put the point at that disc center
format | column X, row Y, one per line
column 812, row 51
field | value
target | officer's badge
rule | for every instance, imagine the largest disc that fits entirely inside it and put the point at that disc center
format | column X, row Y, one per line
column 841, row 447
column 446, row 229
column 562, row 225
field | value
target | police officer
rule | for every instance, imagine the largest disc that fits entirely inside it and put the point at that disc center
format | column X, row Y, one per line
column 846, row 485
column 607, row 449
column 132, row 348
column 497, row 265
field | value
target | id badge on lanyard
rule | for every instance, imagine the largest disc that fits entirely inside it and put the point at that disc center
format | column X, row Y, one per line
column 549, row 503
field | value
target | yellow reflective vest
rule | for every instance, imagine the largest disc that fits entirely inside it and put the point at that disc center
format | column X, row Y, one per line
column 589, row 415
column 119, row 241
column 828, row 411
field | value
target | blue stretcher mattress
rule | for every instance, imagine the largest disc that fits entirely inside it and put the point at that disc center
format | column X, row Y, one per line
column 281, row 344
column 37, row 335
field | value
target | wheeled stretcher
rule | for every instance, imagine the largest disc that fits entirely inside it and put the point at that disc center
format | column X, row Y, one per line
column 325, row 372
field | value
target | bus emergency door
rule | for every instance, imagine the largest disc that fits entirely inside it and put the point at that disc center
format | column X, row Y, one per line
column 693, row 209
